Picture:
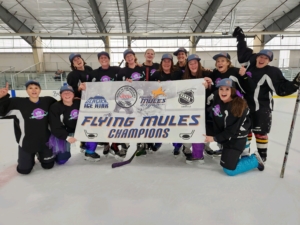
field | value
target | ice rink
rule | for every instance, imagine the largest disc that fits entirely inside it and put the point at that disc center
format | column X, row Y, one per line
column 156, row 189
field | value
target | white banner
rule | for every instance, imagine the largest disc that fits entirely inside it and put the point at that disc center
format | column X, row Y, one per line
column 163, row 112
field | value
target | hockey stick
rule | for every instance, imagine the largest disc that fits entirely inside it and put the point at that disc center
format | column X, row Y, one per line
column 290, row 135
column 118, row 164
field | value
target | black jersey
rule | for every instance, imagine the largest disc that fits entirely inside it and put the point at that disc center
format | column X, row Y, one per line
column 181, row 68
column 63, row 118
column 150, row 70
column 31, row 123
column 104, row 75
column 240, row 82
column 162, row 76
column 75, row 76
column 264, row 80
column 135, row 74
column 227, row 126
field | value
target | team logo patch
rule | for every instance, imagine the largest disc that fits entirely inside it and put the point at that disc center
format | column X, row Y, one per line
column 38, row 114
column 217, row 110
column 74, row 114
column 105, row 78
column 186, row 97
column 96, row 102
column 126, row 96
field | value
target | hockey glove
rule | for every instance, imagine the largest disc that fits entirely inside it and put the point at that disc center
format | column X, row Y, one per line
column 238, row 33
column 296, row 80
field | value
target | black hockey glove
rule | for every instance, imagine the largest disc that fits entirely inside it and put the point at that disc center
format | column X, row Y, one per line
column 296, row 80
column 238, row 33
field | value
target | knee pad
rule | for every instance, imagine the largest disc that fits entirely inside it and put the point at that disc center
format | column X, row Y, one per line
column 48, row 165
column 22, row 171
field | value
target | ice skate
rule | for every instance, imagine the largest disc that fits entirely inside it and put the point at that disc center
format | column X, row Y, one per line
column 194, row 161
column 261, row 165
column 93, row 157
column 141, row 149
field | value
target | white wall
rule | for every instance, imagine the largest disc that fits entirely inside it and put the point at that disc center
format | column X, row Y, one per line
column 295, row 58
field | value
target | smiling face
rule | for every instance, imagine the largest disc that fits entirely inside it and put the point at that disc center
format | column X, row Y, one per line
column 33, row 91
column 149, row 55
column 225, row 93
column 67, row 96
column 193, row 66
column 78, row 62
column 262, row 61
column 181, row 57
column 104, row 61
column 130, row 58
column 166, row 65
column 222, row 64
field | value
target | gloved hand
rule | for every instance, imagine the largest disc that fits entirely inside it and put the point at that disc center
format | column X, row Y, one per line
column 296, row 80
column 238, row 33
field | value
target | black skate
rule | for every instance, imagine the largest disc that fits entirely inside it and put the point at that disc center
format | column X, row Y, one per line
column 114, row 149
column 93, row 157
column 82, row 147
column 155, row 147
column 263, row 155
column 187, row 152
column 176, row 152
column 120, row 155
column 141, row 149
column 106, row 150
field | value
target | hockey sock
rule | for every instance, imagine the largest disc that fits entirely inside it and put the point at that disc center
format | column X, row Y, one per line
column 262, row 145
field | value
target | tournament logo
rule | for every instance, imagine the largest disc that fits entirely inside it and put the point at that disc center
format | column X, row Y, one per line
column 74, row 114
column 186, row 97
column 96, row 102
column 126, row 96
column 105, row 78
column 38, row 114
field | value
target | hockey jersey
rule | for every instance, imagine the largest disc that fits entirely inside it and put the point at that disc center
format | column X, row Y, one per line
column 63, row 118
column 75, row 76
column 32, row 120
column 265, row 81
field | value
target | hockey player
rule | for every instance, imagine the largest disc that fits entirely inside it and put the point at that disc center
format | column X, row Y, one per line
column 80, row 73
column 181, row 54
column 150, row 66
column 76, row 79
column 63, row 119
column 106, row 73
column 31, row 126
column 231, row 125
column 194, row 70
column 224, row 69
column 266, row 79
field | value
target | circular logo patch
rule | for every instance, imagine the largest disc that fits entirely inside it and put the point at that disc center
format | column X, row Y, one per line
column 126, row 96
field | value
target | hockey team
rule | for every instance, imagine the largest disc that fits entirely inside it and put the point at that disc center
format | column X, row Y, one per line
column 239, row 106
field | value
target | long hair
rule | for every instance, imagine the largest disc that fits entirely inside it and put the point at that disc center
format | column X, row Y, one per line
column 172, row 69
column 74, row 68
column 188, row 74
column 238, row 104
column 135, row 60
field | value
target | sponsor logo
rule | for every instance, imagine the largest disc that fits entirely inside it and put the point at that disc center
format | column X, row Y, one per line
column 186, row 97
column 126, row 96
column 96, row 102
column 186, row 136
column 90, row 135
